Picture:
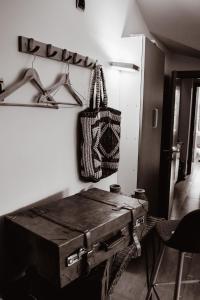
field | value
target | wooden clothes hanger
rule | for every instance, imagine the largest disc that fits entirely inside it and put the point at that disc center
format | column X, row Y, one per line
column 30, row 75
column 63, row 81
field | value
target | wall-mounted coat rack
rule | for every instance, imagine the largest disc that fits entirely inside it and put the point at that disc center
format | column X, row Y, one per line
column 30, row 46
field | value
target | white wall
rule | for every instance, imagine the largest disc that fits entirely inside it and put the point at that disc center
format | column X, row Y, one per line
column 135, row 23
column 38, row 146
column 130, row 97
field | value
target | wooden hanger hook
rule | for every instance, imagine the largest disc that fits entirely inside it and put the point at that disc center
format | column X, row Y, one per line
column 87, row 65
column 66, row 55
column 50, row 52
column 31, row 47
column 95, row 64
column 75, row 60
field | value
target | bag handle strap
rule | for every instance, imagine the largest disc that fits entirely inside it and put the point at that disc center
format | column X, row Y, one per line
column 103, row 83
column 95, row 89
column 92, row 88
column 97, row 86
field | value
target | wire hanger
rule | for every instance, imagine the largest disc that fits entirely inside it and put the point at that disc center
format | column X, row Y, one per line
column 32, row 76
column 63, row 81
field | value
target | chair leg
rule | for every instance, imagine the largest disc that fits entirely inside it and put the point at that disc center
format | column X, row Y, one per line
column 155, row 273
column 179, row 276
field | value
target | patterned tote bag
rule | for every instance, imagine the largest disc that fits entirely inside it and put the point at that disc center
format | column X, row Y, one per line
column 100, row 133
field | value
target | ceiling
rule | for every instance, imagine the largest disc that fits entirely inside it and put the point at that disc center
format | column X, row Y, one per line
column 176, row 23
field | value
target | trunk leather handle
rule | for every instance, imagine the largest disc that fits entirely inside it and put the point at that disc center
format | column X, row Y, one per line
column 113, row 242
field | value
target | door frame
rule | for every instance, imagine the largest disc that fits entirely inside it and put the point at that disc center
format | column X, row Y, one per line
column 166, row 142
column 196, row 84
column 165, row 206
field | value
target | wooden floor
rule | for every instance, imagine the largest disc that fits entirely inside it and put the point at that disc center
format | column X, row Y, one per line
column 132, row 285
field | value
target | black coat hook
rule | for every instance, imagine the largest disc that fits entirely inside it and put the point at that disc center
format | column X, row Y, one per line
column 50, row 53
column 95, row 64
column 75, row 60
column 87, row 65
column 31, row 47
column 65, row 55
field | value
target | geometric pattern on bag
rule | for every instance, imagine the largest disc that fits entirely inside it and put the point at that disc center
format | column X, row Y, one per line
column 114, row 132
column 109, row 142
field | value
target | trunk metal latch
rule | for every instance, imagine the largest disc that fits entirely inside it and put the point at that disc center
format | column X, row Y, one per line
column 74, row 258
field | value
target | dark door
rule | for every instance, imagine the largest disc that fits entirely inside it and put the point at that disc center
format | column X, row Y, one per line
column 171, row 143
column 170, row 146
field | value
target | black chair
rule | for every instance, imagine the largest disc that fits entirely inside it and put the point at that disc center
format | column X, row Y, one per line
column 182, row 235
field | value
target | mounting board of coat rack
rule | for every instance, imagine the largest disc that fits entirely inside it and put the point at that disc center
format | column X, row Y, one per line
column 45, row 99
column 31, row 46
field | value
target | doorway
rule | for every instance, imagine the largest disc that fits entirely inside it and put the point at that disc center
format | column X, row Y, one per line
column 194, row 141
column 178, row 133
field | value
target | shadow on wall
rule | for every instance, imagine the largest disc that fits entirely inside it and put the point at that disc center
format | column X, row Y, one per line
column 10, row 268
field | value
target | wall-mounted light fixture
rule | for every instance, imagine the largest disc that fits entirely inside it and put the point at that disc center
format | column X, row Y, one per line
column 124, row 66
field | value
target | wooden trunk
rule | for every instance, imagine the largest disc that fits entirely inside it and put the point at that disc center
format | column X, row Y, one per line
column 65, row 239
